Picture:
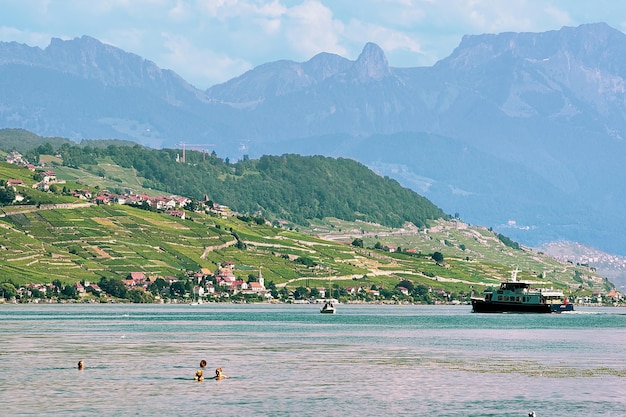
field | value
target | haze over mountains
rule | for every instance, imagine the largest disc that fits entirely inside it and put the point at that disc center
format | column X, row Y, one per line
column 520, row 131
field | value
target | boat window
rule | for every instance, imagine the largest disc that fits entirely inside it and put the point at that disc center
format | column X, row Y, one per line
column 499, row 298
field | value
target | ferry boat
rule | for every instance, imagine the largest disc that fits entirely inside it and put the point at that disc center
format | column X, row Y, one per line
column 515, row 296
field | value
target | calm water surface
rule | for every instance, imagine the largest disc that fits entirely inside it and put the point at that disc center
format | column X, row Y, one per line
column 286, row 360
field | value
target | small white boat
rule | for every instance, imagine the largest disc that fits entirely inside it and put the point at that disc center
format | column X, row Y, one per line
column 328, row 308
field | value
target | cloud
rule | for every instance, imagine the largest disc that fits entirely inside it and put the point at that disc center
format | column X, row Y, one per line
column 10, row 34
column 310, row 29
column 227, row 9
column 202, row 67
column 387, row 38
column 495, row 16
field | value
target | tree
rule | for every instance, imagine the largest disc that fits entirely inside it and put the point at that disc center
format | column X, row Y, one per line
column 306, row 261
column 315, row 293
column 301, row 293
column 7, row 195
column 69, row 291
column 437, row 257
column 178, row 288
column 358, row 243
column 114, row 287
column 8, row 290
column 422, row 293
column 157, row 286
column 406, row 284
column 140, row 296
column 272, row 289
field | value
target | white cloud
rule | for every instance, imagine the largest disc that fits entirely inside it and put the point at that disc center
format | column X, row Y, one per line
column 10, row 34
column 387, row 38
column 225, row 9
column 311, row 29
column 200, row 66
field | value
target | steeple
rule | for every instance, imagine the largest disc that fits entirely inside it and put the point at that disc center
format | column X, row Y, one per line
column 260, row 279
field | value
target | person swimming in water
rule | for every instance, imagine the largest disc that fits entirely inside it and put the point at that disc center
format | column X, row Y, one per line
column 81, row 365
column 202, row 364
column 219, row 374
column 199, row 377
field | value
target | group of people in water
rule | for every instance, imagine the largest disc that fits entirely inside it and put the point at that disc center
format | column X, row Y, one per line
column 219, row 374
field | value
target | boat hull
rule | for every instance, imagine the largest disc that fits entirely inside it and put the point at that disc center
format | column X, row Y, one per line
column 482, row 306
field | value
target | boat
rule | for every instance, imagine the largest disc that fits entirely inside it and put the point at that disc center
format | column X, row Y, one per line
column 515, row 296
column 328, row 308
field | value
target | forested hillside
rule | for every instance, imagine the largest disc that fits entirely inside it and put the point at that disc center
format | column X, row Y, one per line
column 290, row 187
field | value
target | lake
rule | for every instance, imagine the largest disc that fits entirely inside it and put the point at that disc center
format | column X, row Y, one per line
column 285, row 360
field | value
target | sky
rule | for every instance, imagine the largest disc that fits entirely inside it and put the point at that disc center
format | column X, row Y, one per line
column 208, row 42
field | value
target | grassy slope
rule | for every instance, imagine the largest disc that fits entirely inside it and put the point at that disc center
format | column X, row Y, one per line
column 91, row 242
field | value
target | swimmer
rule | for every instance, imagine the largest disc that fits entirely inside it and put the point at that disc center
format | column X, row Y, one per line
column 199, row 377
column 202, row 364
column 219, row 374
column 81, row 365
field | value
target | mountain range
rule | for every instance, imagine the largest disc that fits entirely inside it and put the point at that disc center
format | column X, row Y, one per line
column 523, row 132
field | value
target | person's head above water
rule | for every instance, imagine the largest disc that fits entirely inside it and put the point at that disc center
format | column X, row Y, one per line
column 81, row 365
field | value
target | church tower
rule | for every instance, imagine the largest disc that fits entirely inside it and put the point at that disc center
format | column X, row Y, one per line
column 260, row 279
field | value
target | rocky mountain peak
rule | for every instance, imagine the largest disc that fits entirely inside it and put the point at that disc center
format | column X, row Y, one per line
column 371, row 64
column 585, row 42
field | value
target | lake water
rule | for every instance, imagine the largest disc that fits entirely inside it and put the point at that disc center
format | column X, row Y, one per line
column 285, row 360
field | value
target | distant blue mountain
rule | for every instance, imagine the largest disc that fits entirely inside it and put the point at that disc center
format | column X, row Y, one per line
column 523, row 132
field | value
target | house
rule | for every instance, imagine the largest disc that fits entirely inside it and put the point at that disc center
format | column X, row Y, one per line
column 373, row 293
column 180, row 201
column 15, row 158
column 42, row 186
column 198, row 292
column 614, row 295
column 209, row 288
column 48, row 176
column 256, row 287
column 354, row 290
column 102, row 199
column 15, row 183
column 238, row 285
column 138, row 278
column 80, row 289
column 176, row 213
column 403, row 290
column 170, row 280
column 95, row 288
